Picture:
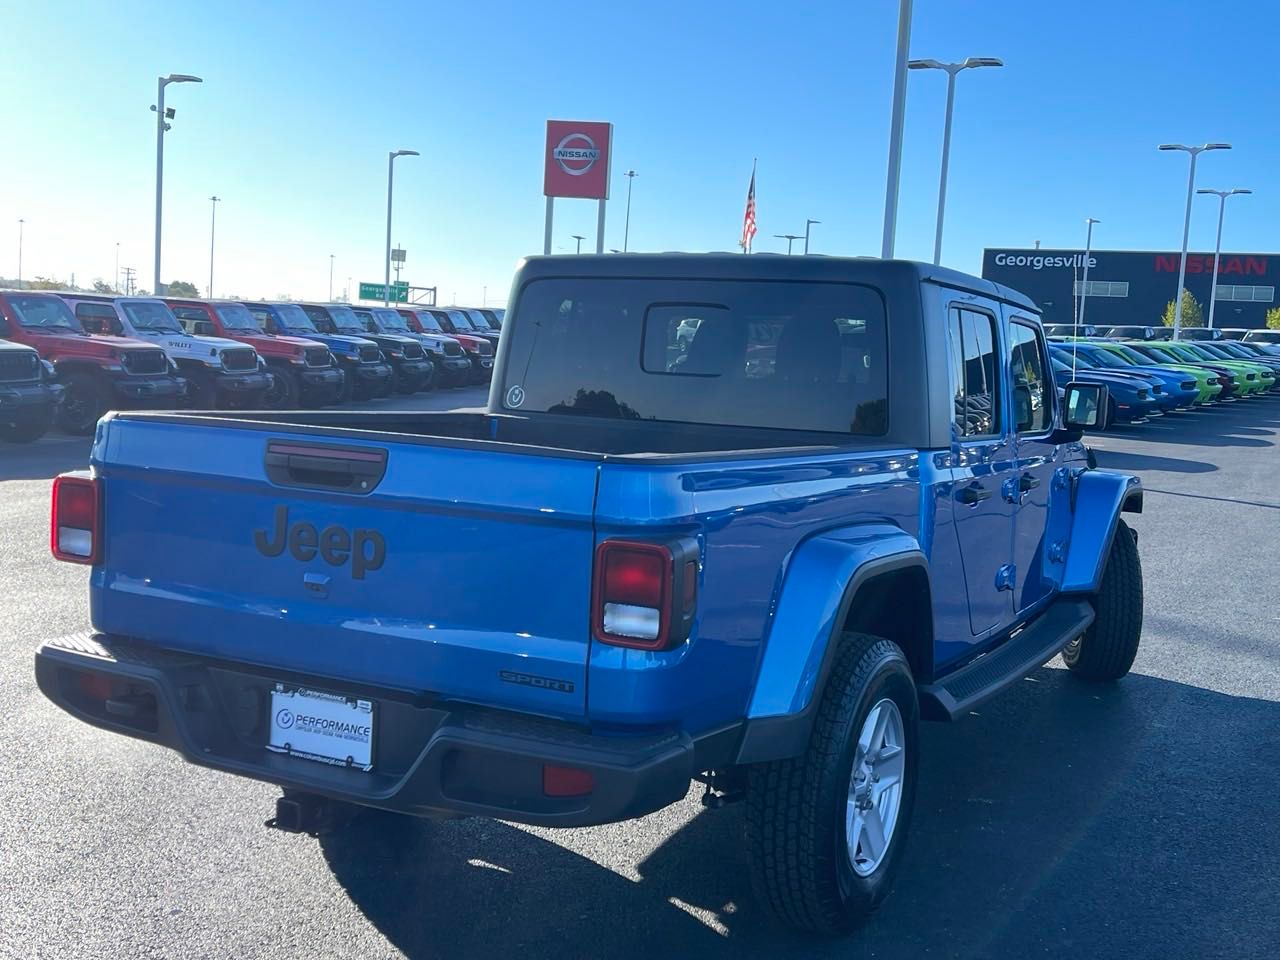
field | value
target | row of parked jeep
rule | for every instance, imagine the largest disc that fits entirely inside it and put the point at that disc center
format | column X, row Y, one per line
column 1147, row 374
column 70, row 357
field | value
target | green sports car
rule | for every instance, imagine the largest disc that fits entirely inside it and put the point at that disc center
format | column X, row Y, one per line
column 1252, row 378
column 1207, row 383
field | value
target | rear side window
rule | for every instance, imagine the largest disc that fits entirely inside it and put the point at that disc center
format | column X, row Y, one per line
column 783, row 355
column 97, row 311
column 975, row 383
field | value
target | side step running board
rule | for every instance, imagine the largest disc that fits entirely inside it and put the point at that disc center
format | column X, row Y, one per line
column 1039, row 642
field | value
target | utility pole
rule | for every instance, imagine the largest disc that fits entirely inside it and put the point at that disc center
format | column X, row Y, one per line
column 213, row 222
column 20, row 223
column 331, row 278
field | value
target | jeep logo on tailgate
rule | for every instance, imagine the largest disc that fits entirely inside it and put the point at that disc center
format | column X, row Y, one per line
column 365, row 549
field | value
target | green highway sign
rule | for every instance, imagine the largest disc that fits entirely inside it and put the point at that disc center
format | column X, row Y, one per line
column 377, row 291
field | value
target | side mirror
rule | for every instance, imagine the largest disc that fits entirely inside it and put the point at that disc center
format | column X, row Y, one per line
column 1024, row 416
column 1083, row 405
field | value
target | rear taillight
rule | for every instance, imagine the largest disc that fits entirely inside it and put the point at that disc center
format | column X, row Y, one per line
column 645, row 594
column 75, row 523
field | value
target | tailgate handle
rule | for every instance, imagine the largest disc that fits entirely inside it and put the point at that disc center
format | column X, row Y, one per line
column 325, row 466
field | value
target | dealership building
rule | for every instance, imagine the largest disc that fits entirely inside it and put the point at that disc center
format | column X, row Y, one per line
column 1133, row 286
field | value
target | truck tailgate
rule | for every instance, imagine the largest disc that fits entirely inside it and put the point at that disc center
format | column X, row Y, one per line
column 465, row 573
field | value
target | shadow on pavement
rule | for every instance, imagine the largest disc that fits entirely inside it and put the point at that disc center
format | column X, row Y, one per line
column 1124, row 460
column 1065, row 819
column 44, row 459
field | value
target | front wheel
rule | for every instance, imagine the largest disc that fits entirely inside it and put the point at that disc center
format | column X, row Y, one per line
column 84, row 401
column 284, row 390
column 825, row 831
column 1108, row 648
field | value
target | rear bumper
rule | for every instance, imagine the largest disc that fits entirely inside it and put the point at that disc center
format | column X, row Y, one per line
column 15, row 395
column 429, row 757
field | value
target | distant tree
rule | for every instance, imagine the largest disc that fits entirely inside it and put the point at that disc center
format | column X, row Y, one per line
column 44, row 283
column 180, row 288
column 1192, row 315
column 1273, row 318
column 101, row 286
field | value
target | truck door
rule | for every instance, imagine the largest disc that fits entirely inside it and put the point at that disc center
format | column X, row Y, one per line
column 984, row 466
column 1034, row 399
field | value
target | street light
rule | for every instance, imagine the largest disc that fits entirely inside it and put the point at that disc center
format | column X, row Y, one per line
column 20, row 223
column 331, row 278
column 951, row 70
column 213, row 222
column 807, row 225
column 1217, row 248
column 163, row 115
column 1186, row 222
column 1084, row 284
column 391, row 159
column 117, row 286
column 579, row 237
column 790, row 238
column 626, row 230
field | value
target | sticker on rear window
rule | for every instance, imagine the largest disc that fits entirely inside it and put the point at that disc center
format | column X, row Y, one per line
column 515, row 397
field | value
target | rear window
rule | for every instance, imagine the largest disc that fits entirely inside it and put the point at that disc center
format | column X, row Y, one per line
column 786, row 355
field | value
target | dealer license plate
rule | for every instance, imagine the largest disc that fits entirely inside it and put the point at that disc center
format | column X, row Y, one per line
column 327, row 727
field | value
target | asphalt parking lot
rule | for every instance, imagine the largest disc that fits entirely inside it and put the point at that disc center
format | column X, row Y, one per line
column 1134, row 820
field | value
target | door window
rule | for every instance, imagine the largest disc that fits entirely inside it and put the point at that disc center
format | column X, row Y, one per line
column 1032, row 401
column 974, row 374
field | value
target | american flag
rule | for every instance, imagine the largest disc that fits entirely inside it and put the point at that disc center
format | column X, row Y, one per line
column 749, row 217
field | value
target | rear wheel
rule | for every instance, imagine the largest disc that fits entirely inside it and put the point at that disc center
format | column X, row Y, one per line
column 1109, row 646
column 84, row 401
column 826, row 830
column 284, row 390
column 28, row 424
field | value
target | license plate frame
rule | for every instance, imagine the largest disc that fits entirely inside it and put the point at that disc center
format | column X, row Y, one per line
column 321, row 726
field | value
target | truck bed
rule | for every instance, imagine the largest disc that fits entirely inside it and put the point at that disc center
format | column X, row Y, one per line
column 568, row 436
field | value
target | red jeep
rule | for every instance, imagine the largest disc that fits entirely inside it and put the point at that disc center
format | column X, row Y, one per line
column 99, row 373
column 304, row 370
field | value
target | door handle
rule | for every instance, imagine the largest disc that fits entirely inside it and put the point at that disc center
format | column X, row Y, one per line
column 1027, row 482
column 973, row 494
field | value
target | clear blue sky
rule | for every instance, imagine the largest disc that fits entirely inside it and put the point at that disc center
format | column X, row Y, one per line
column 302, row 101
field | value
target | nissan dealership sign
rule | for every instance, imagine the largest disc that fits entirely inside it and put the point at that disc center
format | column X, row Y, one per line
column 576, row 161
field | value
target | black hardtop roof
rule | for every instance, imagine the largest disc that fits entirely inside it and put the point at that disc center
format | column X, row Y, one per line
column 762, row 266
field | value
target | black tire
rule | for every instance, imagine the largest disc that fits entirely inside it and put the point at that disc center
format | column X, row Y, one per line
column 27, row 425
column 1109, row 646
column 402, row 384
column 431, row 379
column 284, row 391
column 83, row 403
column 348, row 392
column 201, row 393
column 795, row 812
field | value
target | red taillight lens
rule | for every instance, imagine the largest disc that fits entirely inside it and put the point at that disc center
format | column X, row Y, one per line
column 639, row 601
column 566, row 781
column 76, row 519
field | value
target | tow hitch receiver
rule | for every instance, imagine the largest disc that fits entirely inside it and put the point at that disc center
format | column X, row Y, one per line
column 310, row 813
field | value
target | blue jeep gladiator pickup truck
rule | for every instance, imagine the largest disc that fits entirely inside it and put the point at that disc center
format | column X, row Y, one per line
column 737, row 520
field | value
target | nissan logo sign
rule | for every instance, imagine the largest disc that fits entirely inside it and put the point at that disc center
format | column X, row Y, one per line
column 576, row 154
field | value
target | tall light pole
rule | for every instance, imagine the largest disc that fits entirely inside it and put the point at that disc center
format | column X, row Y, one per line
column 116, row 288
column 807, row 225
column 579, row 237
column 897, row 119
column 1217, row 247
column 790, row 238
column 162, row 116
column 391, row 161
column 20, row 223
column 1186, row 222
column 213, row 223
column 951, row 70
column 1084, row 284
column 626, row 230
column 331, row 278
